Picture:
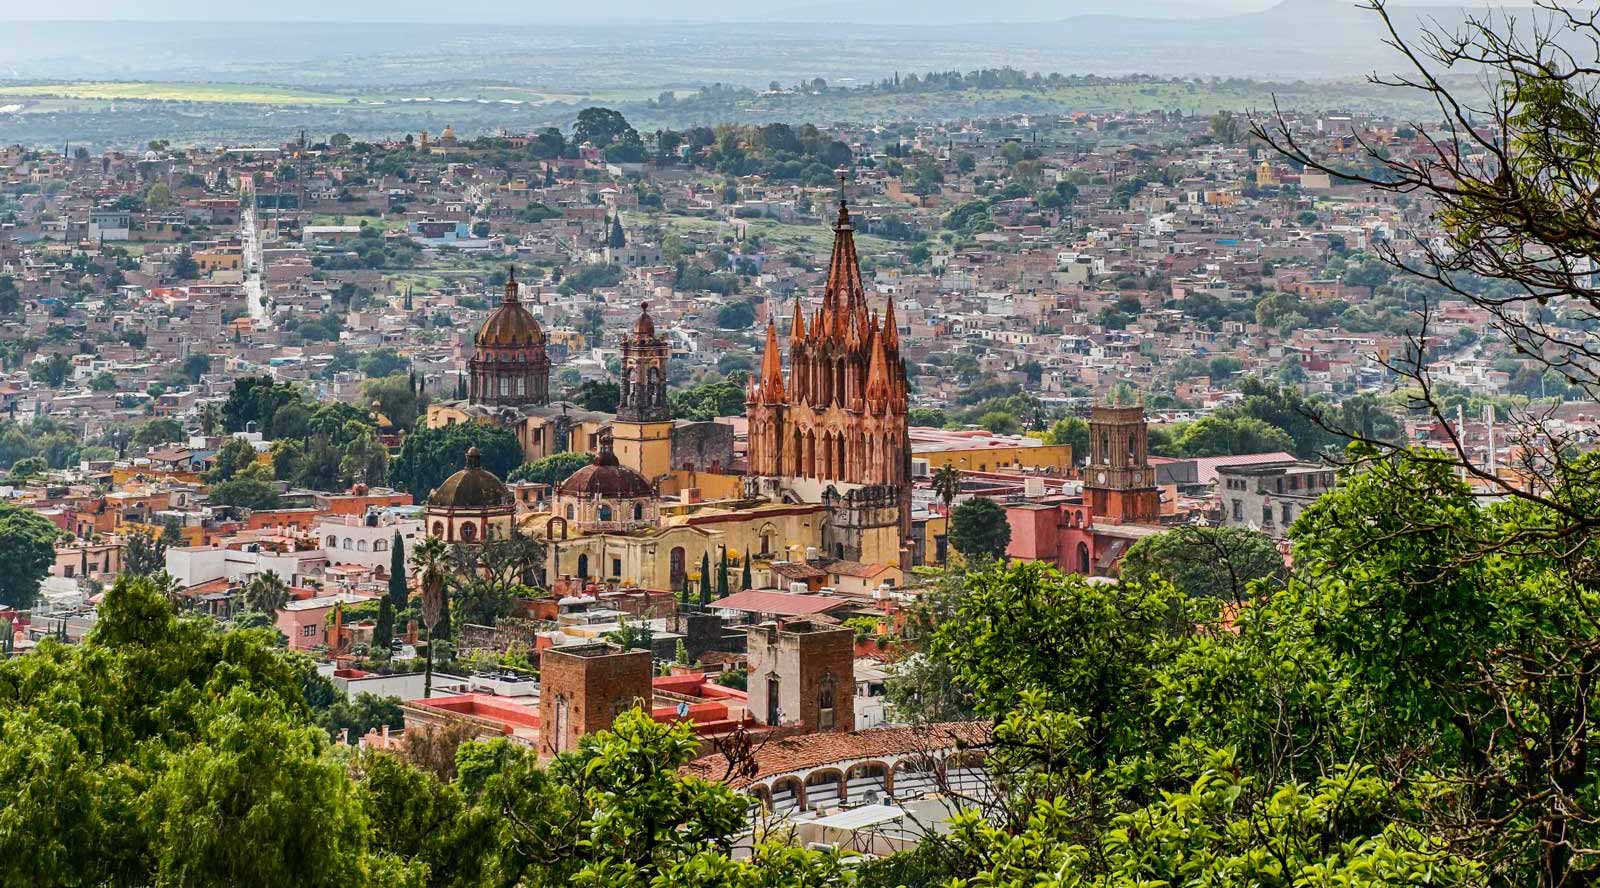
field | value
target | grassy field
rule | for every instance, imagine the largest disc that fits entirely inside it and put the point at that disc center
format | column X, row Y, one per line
column 216, row 93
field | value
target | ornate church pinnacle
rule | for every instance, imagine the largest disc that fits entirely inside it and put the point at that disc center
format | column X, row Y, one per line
column 797, row 331
column 511, row 284
column 891, row 333
column 771, row 368
column 878, row 374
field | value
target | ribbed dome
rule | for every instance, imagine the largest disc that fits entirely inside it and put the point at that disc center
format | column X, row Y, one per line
column 606, row 478
column 471, row 488
column 511, row 325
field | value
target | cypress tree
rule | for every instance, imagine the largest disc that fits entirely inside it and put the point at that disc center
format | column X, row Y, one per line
column 722, row 575
column 383, row 633
column 705, row 578
column 745, row 582
column 399, row 594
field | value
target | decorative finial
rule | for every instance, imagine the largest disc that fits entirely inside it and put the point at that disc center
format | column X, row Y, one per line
column 511, row 283
column 473, row 459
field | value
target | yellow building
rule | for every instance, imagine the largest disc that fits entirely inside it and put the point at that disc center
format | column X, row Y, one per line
column 220, row 259
column 666, row 553
column 996, row 454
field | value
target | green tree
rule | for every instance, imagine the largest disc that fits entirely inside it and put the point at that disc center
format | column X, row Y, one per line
column 978, row 529
column 429, row 456
column 52, row 371
column 156, row 432
column 705, row 578
column 601, row 126
column 1223, row 563
column 618, row 810
column 27, row 549
column 1073, row 432
column 255, row 399
column 383, row 630
column 196, row 366
column 29, row 467
column 395, row 398
column 187, row 758
column 234, row 456
column 249, row 489
column 708, row 400
column 737, row 315
column 552, row 469
column 722, row 574
column 383, row 362
column 599, row 395
column 399, row 590
column 144, row 554
column 1229, row 436
column 1091, row 650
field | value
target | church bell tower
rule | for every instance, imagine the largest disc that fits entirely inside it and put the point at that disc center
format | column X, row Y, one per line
column 1119, row 483
column 642, row 432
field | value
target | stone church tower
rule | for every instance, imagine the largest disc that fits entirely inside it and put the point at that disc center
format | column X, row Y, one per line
column 642, row 432
column 840, row 414
column 509, row 365
column 1119, row 484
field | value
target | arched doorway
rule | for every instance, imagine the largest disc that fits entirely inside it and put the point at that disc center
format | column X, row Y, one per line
column 583, row 567
column 678, row 567
column 1083, row 558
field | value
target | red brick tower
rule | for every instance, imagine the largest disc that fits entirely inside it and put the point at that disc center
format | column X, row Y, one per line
column 584, row 687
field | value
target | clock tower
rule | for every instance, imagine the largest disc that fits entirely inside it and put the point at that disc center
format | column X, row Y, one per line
column 1119, row 484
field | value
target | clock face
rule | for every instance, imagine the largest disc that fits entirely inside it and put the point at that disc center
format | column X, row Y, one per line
column 1101, row 477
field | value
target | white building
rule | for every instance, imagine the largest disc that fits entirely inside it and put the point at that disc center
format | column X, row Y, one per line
column 365, row 540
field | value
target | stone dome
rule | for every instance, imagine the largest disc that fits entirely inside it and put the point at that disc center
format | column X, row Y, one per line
column 606, row 478
column 471, row 488
column 511, row 325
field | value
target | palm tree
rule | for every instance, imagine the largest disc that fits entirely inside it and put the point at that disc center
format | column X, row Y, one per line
column 210, row 419
column 265, row 593
column 431, row 561
column 947, row 484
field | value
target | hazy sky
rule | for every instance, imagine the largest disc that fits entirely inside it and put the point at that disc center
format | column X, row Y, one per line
column 526, row 10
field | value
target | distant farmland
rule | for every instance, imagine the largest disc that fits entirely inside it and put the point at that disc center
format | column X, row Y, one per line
column 212, row 93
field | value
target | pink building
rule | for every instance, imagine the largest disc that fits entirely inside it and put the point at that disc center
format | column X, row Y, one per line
column 305, row 621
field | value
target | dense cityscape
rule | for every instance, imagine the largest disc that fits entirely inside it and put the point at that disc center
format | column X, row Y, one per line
column 1108, row 497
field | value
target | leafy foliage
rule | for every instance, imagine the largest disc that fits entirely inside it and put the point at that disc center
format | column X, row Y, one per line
column 429, row 456
column 27, row 549
column 978, row 529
